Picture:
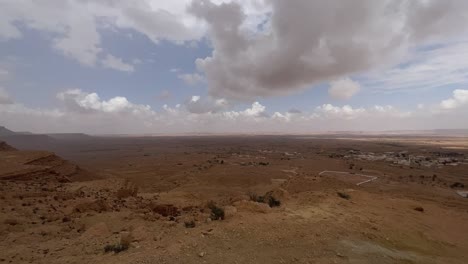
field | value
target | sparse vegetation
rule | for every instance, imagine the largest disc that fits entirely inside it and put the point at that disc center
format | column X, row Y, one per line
column 190, row 224
column 128, row 190
column 268, row 199
column 457, row 185
column 116, row 248
column 217, row 213
column 272, row 202
column 256, row 198
column 344, row 195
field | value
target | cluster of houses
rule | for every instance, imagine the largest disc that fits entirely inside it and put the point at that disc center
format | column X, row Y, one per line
column 404, row 158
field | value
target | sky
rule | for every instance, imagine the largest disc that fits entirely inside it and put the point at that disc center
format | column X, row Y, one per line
column 227, row 66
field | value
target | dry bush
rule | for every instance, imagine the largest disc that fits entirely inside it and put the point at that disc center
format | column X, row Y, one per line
column 128, row 190
column 343, row 195
column 217, row 213
column 116, row 248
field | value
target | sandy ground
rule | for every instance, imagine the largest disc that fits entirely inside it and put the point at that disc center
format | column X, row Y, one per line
column 156, row 196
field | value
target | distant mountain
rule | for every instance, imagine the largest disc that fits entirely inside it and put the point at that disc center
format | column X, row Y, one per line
column 6, row 132
column 25, row 140
column 5, row 147
column 69, row 136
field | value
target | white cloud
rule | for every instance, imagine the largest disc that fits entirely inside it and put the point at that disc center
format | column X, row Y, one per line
column 82, row 102
column 115, row 63
column 4, row 97
column 430, row 67
column 199, row 105
column 459, row 99
column 191, row 78
column 343, row 89
column 74, row 25
column 346, row 111
column 257, row 110
column 87, row 112
column 340, row 39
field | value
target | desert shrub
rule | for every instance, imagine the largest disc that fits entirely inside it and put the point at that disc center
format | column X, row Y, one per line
column 217, row 213
column 190, row 224
column 272, row 202
column 267, row 198
column 116, row 248
column 457, row 185
column 128, row 190
column 165, row 210
column 256, row 198
column 344, row 195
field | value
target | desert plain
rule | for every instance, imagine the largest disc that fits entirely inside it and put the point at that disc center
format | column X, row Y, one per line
column 233, row 199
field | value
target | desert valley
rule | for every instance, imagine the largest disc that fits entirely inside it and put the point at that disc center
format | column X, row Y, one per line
column 234, row 131
column 336, row 198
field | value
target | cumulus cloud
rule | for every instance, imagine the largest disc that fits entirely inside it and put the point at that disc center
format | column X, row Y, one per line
column 257, row 110
column 199, row 105
column 88, row 112
column 340, row 39
column 75, row 24
column 5, row 97
column 343, row 89
column 78, row 101
column 345, row 111
column 459, row 99
column 115, row 63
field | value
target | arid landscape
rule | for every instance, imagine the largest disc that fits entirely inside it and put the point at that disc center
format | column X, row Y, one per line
column 233, row 131
column 233, row 199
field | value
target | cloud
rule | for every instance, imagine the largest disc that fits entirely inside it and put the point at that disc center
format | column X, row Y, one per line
column 199, row 105
column 78, row 101
column 191, row 78
column 5, row 97
column 75, row 25
column 340, row 39
column 87, row 112
column 459, row 99
column 112, row 62
column 257, row 110
column 346, row 111
column 343, row 89
column 294, row 111
column 429, row 67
